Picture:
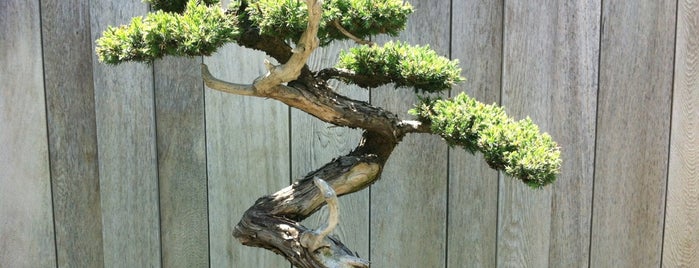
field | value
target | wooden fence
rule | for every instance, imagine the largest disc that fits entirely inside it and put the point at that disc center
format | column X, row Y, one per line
column 142, row 166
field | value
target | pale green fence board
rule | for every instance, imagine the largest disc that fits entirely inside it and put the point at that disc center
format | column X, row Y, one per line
column 127, row 149
column 26, row 220
column 181, row 140
column 473, row 186
column 633, row 120
column 409, row 203
column 67, row 51
column 681, row 241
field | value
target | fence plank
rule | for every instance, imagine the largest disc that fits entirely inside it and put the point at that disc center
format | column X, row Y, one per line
column 473, row 186
column 127, row 149
column 315, row 143
column 181, row 137
column 26, row 227
column 550, row 74
column 681, row 242
column 632, row 133
column 247, row 156
column 67, row 50
column 408, row 206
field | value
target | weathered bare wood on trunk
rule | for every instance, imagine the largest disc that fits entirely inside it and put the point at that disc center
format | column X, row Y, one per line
column 472, row 229
column 127, row 149
column 67, row 50
column 633, row 127
column 414, row 188
column 681, row 241
column 26, row 221
column 181, row 140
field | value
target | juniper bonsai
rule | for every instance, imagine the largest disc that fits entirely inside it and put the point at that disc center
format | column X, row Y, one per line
column 196, row 28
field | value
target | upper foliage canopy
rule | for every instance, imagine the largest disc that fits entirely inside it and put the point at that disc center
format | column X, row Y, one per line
column 362, row 18
column 200, row 28
column 404, row 65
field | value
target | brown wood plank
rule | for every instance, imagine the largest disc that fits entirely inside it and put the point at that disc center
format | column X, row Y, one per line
column 127, row 149
column 181, row 137
column 473, row 186
column 681, row 241
column 67, row 50
column 247, row 156
column 408, row 206
column 26, row 220
column 633, row 124
column 315, row 143
column 550, row 74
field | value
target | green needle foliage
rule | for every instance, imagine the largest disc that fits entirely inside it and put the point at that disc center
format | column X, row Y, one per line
column 405, row 65
column 200, row 30
column 176, row 6
column 362, row 18
column 515, row 147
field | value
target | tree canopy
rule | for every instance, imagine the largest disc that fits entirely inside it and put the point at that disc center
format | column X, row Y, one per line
column 194, row 28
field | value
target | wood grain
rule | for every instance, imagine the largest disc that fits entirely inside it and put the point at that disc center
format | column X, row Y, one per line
column 247, row 156
column 408, row 206
column 181, row 138
column 550, row 74
column 681, row 241
column 67, row 50
column 633, row 125
column 26, row 221
column 127, row 149
column 473, row 186
column 315, row 143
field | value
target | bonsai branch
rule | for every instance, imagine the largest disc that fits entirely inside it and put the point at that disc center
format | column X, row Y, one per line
column 356, row 39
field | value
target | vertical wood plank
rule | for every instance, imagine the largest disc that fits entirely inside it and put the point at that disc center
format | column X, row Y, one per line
column 550, row 74
column 473, row 186
column 633, row 120
column 408, row 206
column 127, row 149
column 315, row 143
column 26, row 221
column 181, row 138
column 681, row 241
column 247, row 156
column 67, row 50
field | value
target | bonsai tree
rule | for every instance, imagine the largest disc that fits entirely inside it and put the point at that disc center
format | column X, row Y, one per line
column 196, row 28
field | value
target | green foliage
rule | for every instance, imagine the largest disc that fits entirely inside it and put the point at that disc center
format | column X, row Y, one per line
column 405, row 65
column 363, row 18
column 200, row 30
column 516, row 147
column 176, row 6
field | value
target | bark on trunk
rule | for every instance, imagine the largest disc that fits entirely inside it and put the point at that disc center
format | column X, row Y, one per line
column 272, row 222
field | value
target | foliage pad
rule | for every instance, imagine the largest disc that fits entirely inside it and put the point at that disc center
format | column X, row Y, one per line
column 287, row 19
column 406, row 66
column 200, row 30
column 515, row 147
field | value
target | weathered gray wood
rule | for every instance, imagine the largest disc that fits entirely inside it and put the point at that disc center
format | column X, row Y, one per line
column 26, row 221
column 181, row 137
column 633, row 122
column 473, row 186
column 550, row 74
column 67, row 50
column 681, row 241
column 408, row 206
column 127, row 149
column 247, row 156
column 314, row 143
